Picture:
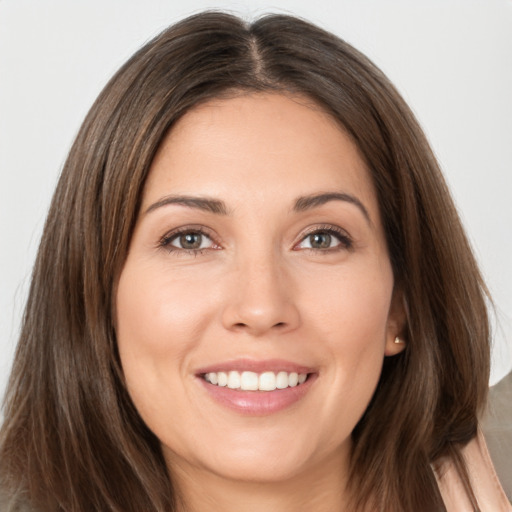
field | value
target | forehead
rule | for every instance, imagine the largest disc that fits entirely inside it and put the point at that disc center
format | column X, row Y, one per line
column 252, row 145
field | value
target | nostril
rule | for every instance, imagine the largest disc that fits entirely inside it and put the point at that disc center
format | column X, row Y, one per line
column 242, row 325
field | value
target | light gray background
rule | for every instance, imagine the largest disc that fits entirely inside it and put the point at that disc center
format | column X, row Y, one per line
column 452, row 60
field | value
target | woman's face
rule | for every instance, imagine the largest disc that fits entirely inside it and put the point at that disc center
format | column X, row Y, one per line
column 258, row 260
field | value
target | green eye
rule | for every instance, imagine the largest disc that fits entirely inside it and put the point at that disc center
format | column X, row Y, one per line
column 320, row 240
column 189, row 241
column 326, row 239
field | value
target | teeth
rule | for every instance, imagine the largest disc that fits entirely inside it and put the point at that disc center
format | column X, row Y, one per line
column 282, row 380
column 251, row 381
column 267, row 381
column 222, row 379
column 233, row 380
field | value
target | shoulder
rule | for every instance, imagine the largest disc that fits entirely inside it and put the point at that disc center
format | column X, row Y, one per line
column 485, row 483
column 497, row 429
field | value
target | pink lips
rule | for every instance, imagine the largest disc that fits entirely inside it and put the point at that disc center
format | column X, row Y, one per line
column 257, row 403
column 269, row 365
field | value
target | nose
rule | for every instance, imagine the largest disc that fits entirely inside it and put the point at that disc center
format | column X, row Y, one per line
column 261, row 299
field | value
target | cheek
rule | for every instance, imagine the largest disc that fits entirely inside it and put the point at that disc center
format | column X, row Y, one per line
column 351, row 306
column 159, row 324
column 350, row 314
column 155, row 316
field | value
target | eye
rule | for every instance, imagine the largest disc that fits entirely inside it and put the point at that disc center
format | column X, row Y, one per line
column 325, row 239
column 187, row 240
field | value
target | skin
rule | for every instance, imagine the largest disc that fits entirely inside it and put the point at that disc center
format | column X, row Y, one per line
column 260, row 289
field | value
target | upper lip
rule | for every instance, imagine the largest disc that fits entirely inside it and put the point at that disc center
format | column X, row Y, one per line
column 257, row 366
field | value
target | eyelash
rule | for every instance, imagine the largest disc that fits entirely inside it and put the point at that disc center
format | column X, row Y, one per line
column 165, row 241
column 346, row 242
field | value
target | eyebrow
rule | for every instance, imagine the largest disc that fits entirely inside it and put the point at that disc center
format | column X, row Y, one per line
column 312, row 201
column 201, row 203
column 219, row 207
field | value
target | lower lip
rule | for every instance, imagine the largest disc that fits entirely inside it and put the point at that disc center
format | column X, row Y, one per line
column 258, row 403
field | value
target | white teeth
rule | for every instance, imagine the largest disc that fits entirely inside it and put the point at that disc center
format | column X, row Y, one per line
column 282, row 380
column 251, row 381
column 222, row 378
column 233, row 380
column 267, row 381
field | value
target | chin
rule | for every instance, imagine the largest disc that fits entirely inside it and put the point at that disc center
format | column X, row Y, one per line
column 264, row 455
column 255, row 468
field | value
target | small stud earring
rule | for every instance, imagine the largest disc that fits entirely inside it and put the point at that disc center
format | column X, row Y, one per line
column 398, row 340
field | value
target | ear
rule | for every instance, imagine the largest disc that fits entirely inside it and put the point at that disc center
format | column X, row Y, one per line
column 395, row 329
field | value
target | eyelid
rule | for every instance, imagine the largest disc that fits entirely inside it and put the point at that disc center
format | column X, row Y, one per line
column 165, row 241
column 343, row 237
column 345, row 240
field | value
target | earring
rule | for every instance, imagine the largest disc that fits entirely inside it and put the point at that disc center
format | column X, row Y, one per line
column 398, row 340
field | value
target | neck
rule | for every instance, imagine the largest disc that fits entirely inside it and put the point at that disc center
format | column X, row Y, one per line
column 320, row 489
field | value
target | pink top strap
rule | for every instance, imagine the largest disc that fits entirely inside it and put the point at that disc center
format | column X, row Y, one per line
column 486, row 486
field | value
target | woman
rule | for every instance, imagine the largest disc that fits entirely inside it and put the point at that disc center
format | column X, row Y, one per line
column 252, row 291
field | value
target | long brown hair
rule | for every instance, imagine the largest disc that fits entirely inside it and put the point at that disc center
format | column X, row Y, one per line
column 72, row 439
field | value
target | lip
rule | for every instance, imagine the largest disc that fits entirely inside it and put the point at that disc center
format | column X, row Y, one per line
column 257, row 403
column 252, row 365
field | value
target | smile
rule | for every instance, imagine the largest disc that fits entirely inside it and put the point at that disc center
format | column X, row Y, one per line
column 252, row 381
column 257, row 388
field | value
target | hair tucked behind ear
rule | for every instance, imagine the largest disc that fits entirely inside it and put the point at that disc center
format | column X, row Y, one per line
column 73, row 441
